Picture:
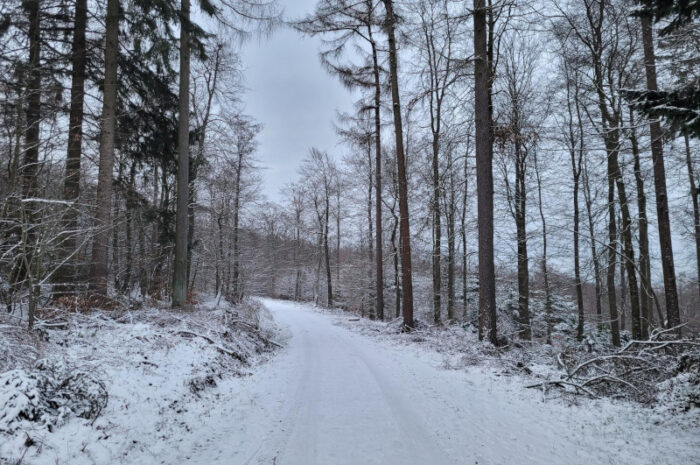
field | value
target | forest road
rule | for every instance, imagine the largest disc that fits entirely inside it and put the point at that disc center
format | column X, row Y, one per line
column 334, row 397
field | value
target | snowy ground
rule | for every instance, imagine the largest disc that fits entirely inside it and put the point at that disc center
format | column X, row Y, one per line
column 332, row 397
column 350, row 399
column 166, row 387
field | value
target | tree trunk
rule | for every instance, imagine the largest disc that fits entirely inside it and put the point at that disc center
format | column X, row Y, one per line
column 694, row 194
column 179, row 295
column 379, row 254
column 520, row 201
column 612, row 260
column 450, row 217
column 236, row 219
column 327, row 254
column 628, row 250
column 437, row 230
column 103, row 213
column 370, row 232
column 30, row 163
column 397, row 276
column 463, row 233
column 130, row 212
column 623, row 288
column 65, row 276
column 219, row 271
column 545, row 268
column 646, row 298
column 576, row 167
column 404, row 227
column 594, row 249
column 662, row 213
column 484, row 172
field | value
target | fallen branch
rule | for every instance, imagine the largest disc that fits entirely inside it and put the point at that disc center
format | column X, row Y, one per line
column 216, row 345
column 563, row 383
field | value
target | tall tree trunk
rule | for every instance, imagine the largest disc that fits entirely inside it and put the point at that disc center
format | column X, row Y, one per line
column 672, row 311
column 646, row 298
column 594, row 249
column 404, row 227
column 450, row 217
column 30, row 163
column 130, row 212
column 179, row 296
column 31, row 153
column 628, row 250
column 191, row 201
column 437, row 230
column 103, row 214
column 545, row 268
column 694, row 194
column 612, row 260
column 370, row 232
column 220, row 255
column 463, row 233
column 115, row 266
column 520, row 201
column 71, row 189
column 397, row 274
column 576, row 167
column 337, row 240
column 327, row 253
column 236, row 231
column 623, row 288
column 379, row 253
column 484, row 172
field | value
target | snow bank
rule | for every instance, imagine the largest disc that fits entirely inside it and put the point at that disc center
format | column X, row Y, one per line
column 127, row 386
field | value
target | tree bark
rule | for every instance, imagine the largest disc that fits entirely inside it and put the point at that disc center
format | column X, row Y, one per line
column 179, row 295
column 103, row 213
column 71, row 189
column 662, row 213
column 379, row 253
column 450, row 218
column 30, row 163
column 694, row 194
column 612, row 260
column 484, row 172
column 327, row 253
column 594, row 249
column 236, row 230
column 520, row 201
column 463, row 233
column 404, row 227
column 437, row 229
column 545, row 267
column 576, row 168
column 646, row 297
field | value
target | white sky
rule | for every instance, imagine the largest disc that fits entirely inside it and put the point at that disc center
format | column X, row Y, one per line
column 292, row 96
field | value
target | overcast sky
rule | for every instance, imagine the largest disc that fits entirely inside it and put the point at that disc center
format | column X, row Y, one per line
column 292, row 96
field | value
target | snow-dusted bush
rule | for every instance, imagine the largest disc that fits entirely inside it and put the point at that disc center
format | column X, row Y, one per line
column 682, row 392
column 48, row 395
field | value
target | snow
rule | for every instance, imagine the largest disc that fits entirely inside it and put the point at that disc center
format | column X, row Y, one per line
column 165, row 390
column 332, row 396
column 350, row 399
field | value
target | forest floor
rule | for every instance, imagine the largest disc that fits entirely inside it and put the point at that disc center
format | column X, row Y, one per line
column 342, row 391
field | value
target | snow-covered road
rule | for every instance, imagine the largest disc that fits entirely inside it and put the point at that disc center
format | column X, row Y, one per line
column 334, row 397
